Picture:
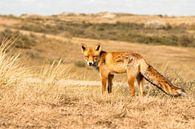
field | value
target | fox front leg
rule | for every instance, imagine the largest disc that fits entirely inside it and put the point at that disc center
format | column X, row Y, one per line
column 110, row 78
column 104, row 73
column 104, row 84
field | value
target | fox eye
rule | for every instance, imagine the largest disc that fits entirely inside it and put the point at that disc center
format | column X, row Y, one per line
column 95, row 56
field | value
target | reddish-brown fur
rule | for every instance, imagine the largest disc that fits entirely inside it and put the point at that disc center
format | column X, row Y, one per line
column 110, row 63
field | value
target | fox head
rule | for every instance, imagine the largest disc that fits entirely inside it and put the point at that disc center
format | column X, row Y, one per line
column 91, row 55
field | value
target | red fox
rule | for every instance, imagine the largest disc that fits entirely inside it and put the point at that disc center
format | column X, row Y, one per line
column 136, row 67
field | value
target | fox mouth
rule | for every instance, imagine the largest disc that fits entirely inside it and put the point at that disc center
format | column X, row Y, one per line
column 93, row 64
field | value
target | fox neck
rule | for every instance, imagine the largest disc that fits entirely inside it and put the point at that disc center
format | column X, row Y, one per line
column 102, row 53
column 100, row 60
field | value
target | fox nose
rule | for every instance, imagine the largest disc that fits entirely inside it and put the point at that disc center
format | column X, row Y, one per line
column 90, row 63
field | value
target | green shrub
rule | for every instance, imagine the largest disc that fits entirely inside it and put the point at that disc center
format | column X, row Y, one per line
column 22, row 41
column 80, row 64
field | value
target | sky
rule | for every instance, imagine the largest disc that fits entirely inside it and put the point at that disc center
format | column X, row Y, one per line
column 49, row 7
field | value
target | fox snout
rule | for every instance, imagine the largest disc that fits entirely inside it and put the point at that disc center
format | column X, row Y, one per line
column 90, row 63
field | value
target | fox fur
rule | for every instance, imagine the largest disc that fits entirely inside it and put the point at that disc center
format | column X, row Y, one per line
column 137, row 68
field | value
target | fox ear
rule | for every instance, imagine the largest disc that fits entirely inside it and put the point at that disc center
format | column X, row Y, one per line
column 83, row 46
column 98, row 47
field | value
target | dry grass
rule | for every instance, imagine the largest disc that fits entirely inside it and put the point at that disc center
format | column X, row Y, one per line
column 45, row 104
column 85, row 108
column 11, row 70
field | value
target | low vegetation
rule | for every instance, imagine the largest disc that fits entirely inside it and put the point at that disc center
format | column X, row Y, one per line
column 80, row 64
column 149, row 33
column 21, row 41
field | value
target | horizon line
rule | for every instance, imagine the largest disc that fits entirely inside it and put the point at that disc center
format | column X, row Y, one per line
column 88, row 13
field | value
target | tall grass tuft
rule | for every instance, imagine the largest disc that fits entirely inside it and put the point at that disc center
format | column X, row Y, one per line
column 12, row 71
column 19, row 84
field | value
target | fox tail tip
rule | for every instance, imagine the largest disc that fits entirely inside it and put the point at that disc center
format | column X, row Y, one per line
column 181, row 92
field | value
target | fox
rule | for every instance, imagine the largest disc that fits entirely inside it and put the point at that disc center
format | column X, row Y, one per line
column 137, row 68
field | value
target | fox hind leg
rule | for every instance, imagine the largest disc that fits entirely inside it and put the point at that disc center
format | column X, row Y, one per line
column 132, row 73
column 140, row 82
column 131, row 81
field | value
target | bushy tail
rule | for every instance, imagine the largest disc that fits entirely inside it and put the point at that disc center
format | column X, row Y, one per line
column 154, row 77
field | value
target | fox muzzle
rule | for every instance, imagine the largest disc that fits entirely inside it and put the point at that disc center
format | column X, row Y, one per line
column 90, row 63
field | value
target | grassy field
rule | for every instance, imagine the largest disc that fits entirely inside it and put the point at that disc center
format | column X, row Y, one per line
column 47, row 105
column 52, row 54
